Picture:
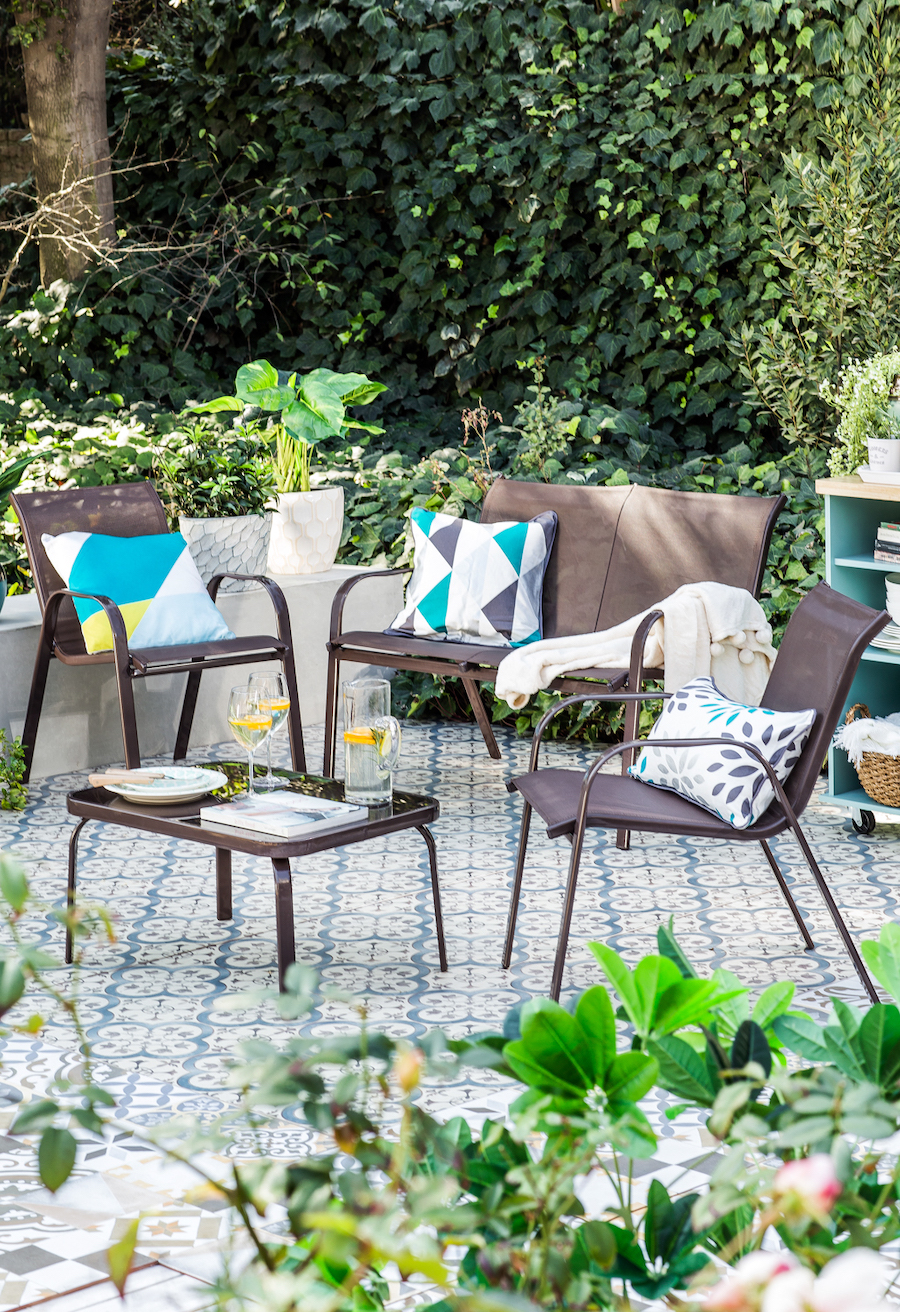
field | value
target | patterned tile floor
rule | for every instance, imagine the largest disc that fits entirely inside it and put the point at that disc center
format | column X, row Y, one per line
column 153, row 1000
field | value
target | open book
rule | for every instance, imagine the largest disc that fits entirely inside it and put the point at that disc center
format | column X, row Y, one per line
column 284, row 814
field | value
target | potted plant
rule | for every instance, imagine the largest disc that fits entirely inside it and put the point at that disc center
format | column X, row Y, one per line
column 219, row 493
column 306, row 529
column 868, row 398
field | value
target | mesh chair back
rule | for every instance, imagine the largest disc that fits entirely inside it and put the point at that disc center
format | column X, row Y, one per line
column 576, row 572
column 667, row 538
column 619, row 550
column 817, row 662
column 125, row 510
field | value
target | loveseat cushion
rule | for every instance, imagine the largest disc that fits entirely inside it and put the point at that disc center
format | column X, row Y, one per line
column 727, row 781
column 478, row 583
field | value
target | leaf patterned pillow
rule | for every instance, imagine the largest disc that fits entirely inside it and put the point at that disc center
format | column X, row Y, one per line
column 725, row 780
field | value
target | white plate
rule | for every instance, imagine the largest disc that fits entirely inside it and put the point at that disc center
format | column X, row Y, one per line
column 182, row 783
column 877, row 476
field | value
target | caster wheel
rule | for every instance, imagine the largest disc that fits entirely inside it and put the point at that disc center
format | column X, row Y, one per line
column 866, row 823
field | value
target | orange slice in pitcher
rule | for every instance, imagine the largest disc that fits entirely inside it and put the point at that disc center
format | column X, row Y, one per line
column 361, row 736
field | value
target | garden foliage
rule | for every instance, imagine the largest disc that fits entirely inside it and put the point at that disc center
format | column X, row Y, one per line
column 655, row 204
column 428, row 192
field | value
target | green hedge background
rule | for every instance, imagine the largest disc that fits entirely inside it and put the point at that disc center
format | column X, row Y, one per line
column 436, row 194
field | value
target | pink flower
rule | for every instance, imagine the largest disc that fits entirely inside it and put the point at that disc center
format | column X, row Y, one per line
column 742, row 1289
column 807, row 1187
column 852, row 1282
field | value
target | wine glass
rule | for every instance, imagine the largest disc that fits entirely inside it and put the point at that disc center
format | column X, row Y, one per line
column 272, row 691
column 250, row 724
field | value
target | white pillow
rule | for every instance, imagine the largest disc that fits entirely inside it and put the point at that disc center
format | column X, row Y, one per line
column 725, row 780
column 481, row 583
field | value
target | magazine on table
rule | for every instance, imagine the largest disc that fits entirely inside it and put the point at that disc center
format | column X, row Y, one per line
column 284, row 814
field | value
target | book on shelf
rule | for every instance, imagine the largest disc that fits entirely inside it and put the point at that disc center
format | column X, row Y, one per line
column 892, row 557
column 283, row 814
column 888, row 533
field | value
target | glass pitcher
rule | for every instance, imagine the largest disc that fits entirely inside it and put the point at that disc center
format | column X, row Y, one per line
column 371, row 741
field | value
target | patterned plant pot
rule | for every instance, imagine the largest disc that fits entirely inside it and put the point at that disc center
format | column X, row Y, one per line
column 306, row 531
column 236, row 545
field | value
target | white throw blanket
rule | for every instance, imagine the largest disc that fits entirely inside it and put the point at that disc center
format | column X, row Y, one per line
column 707, row 628
column 881, row 735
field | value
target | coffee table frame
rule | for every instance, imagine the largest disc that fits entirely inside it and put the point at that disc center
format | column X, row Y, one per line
column 408, row 811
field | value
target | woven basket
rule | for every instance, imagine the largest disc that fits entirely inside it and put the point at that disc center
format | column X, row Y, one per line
column 879, row 774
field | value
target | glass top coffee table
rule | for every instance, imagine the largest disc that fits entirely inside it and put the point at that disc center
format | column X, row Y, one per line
column 182, row 821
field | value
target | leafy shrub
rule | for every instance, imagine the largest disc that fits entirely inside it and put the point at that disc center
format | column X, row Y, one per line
column 430, row 193
column 204, row 474
column 834, row 237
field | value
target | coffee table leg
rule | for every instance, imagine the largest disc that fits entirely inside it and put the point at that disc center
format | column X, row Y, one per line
column 284, row 916
column 223, row 884
column 436, row 894
column 70, row 891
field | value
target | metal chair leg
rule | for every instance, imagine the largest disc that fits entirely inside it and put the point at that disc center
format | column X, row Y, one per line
column 188, row 707
column 284, row 916
column 36, row 699
column 836, row 916
column 331, row 710
column 559, row 964
column 223, row 884
column 435, row 893
column 70, row 890
column 517, row 886
column 630, row 731
column 481, row 716
column 786, row 893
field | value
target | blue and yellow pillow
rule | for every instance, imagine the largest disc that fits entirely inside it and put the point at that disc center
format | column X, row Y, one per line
column 152, row 579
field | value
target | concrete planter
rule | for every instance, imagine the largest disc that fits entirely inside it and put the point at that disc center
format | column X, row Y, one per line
column 306, row 531
column 238, row 545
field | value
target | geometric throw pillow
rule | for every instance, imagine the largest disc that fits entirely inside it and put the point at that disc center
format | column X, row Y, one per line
column 475, row 582
column 725, row 780
column 152, row 579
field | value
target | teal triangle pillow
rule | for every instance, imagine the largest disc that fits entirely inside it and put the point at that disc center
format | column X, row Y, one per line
column 479, row 583
column 152, row 579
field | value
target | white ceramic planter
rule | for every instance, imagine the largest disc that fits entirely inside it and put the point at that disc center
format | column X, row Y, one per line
column 884, row 454
column 236, row 545
column 306, row 531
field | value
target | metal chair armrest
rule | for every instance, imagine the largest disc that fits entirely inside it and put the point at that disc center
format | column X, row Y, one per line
column 617, row 749
column 611, row 696
column 113, row 614
column 276, row 596
column 340, row 597
column 638, row 643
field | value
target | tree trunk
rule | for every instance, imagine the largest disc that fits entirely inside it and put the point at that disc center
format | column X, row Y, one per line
column 65, row 78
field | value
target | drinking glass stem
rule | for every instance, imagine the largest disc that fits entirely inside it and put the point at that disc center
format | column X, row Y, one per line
column 270, row 782
column 250, row 773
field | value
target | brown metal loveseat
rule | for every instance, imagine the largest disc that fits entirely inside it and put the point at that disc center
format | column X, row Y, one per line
column 617, row 551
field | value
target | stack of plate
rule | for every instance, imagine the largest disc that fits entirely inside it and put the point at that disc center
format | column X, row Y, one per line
column 181, row 783
column 889, row 638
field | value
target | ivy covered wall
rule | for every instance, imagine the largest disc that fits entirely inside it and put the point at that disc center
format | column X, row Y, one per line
column 447, row 188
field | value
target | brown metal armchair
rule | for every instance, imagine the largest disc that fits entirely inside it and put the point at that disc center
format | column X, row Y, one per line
column 816, row 664
column 131, row 510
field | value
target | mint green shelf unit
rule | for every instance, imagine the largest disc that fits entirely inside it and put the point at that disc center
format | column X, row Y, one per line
column 853, row 511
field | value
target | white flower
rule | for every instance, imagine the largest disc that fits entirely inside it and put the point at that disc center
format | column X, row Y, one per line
column 852, row 1282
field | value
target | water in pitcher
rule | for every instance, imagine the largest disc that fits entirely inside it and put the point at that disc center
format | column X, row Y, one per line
column 371, row 742
column 364, row 771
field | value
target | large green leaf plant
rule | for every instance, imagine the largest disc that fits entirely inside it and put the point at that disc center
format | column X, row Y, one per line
column 310, row 409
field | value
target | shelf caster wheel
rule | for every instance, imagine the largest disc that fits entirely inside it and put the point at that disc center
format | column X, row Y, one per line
column 865, row 825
